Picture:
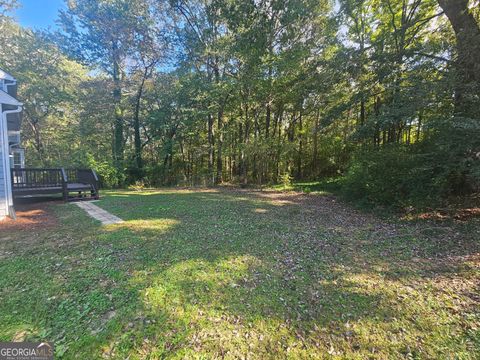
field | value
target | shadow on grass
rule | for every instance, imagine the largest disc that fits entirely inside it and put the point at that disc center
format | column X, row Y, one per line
column 223, row 273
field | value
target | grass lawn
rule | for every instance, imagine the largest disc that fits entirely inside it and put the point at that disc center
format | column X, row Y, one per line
column 240, row 274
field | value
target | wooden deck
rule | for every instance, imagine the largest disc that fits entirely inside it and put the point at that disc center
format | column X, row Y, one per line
column 73, row 184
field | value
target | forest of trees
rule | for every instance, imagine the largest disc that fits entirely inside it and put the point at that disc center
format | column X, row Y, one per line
column 381, row 94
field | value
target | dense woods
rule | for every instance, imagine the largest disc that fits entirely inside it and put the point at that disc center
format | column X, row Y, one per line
column 383, row 95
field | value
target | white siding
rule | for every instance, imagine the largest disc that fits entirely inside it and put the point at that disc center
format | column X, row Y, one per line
column 3, row 207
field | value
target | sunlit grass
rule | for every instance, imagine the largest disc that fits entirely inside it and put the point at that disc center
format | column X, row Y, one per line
column 221, row 274
column 326, row 187
column 157, row 225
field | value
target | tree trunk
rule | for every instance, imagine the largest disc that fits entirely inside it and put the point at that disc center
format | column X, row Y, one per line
column 419, row 127
column 362, row 112
column 136, row 127
column 467, row 33
column 117, row 98
column 246, row 142
column 37, row 144
column 300, row 147
column 219, row 177
column 315, row 144
column 211, row 151
column 241, row 161
column 267, row 121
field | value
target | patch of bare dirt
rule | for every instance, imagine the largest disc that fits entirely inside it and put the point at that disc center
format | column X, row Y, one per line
column 30, row 217
column 327, row 211
column 462, row 214
column 23, row 234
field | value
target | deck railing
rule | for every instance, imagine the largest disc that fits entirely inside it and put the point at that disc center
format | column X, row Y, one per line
column 60, row 178
column 38, row 178
column 83, row 176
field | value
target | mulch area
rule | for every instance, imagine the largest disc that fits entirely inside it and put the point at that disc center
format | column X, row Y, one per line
column 31, row 214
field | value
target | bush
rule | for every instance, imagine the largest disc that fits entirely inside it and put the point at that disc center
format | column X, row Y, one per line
column 384, row 176
column 286, row 180
column 109, row 176
column 444, row 165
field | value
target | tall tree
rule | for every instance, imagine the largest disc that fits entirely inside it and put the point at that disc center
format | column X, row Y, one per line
column 104, row 34
column 467, row 33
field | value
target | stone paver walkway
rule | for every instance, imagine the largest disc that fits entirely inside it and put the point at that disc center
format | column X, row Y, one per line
column 98, row 213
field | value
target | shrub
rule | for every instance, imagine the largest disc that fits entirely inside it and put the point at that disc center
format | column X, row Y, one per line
column 383, row 176
column 445, row 164
column 108, row 174
column 286, row 180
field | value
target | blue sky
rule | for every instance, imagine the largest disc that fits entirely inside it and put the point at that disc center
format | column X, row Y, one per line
column 38, row 14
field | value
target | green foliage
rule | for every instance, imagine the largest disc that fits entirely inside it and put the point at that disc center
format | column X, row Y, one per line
column 388, row 176
column 286, row 180
column 446, row 164
column 108, row 174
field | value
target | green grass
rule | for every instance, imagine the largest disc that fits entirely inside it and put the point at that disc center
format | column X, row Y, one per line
column 207, row 274
column 323, row 187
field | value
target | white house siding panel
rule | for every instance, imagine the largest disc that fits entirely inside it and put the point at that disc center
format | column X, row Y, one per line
column 3, row 206
column 14, row 137
column 8, row 102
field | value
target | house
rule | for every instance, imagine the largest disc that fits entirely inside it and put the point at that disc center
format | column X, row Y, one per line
column 11, row 154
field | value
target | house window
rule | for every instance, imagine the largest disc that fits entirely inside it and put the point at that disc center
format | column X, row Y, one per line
column 17, row 159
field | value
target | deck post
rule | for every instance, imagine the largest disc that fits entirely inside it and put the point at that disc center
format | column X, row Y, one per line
column 95, row 184
column 64, row 184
